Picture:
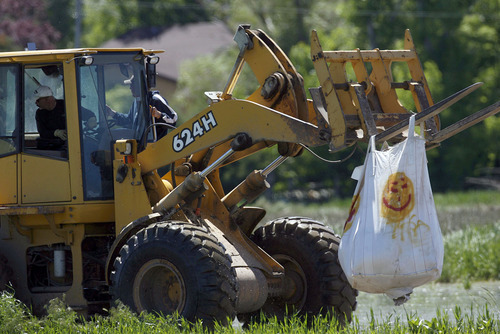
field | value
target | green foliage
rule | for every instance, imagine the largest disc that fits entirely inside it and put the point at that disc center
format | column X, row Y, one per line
column 61, row 14
column 14, row 315
column 118, row 98
column 205, row 74
column 60, row 316
column 471, row 254
column 284, row 20
column 483, row 322
column 121, row 320
column 107, row 19
column 466, row 199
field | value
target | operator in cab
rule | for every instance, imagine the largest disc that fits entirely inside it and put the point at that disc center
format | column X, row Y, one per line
column 51, row 120
column 159, row 108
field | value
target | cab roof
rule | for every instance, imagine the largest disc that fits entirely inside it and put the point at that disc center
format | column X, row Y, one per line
column 65, row 54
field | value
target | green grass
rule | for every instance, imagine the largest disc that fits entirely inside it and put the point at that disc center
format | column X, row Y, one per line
column 468, row 198
column 15, row 318
column 472, row 254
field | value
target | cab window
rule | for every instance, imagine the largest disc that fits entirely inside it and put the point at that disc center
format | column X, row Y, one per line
column 44, row 111
column 9, row 104
column 113, row 88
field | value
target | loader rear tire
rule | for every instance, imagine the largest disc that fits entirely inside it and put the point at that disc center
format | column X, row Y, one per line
column 316, row 283
column 176, row 267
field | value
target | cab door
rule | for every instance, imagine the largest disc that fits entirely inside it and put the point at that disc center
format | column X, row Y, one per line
column 8, row 177
column 45, row 172
column 9, row 133
column 45, row 179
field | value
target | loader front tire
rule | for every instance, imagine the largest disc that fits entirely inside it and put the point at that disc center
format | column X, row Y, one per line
column 315, row 283
column 176, row 267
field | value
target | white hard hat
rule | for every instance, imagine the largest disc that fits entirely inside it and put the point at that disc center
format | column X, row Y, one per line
column 43, row 91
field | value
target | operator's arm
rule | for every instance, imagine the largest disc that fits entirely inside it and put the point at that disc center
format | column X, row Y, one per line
column 121, row 119
column 162, row 113
column 166, row 113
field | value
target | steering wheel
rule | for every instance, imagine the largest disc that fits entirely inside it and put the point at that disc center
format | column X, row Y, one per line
column 111, row 122
column 92, row 133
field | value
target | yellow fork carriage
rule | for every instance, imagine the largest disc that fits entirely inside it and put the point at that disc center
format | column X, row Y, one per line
column 370, row 103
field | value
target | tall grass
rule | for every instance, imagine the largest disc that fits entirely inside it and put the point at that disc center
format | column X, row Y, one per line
column 467, row 198
column 472, row 254
column 15, row 318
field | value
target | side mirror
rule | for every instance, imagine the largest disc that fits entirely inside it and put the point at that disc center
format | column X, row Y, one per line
column 151, row 62
column 151, row 75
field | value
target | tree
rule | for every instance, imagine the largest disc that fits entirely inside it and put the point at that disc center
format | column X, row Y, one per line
column 106, row 19
column 285, row 20
column 462, row 39
column 474, row 57
column 61, row 14
column 24, row 21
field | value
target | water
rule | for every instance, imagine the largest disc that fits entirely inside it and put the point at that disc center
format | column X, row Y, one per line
column 427, row 299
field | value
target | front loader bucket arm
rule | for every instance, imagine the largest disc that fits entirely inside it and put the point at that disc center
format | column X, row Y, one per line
column 280, row 89
column 280, row 85
column 221, row 122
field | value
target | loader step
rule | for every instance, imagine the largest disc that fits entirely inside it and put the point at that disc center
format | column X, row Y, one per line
column 30, row 210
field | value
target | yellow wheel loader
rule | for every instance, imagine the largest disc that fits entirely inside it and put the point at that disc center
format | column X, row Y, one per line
column 92, row 220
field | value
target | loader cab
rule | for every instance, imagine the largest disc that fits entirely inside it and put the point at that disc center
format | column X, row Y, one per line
column 111, row 80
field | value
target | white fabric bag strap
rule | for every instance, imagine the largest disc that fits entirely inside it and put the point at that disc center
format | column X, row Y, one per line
column 411, row 128
column 371, row 147
column 361, row 170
